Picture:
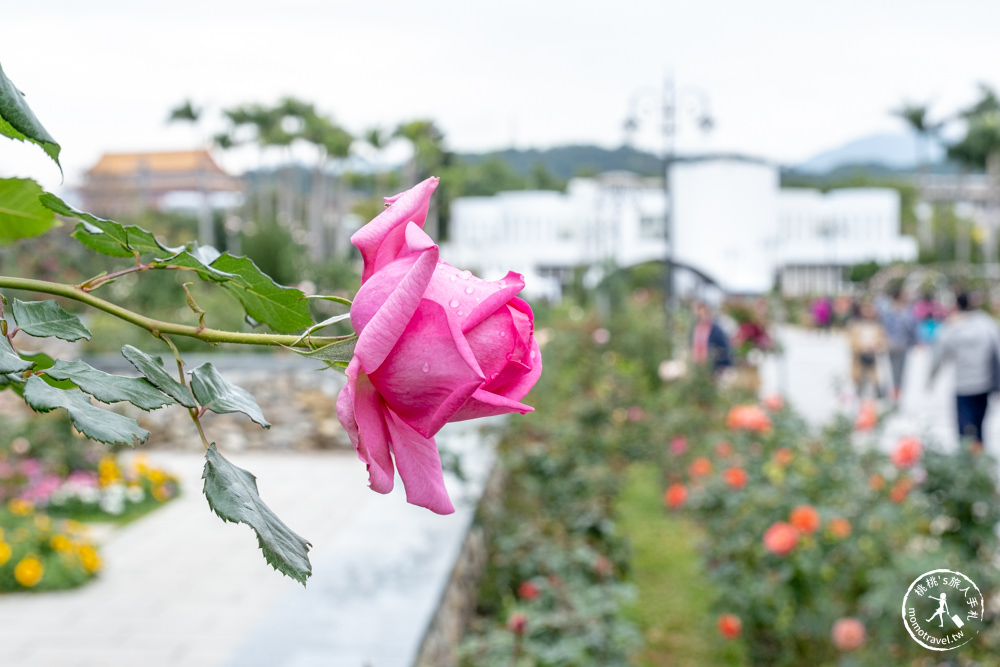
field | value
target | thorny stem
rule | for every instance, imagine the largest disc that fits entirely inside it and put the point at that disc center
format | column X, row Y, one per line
column 159, row 327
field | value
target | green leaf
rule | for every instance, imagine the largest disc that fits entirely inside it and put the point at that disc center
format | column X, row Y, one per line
column 41, row 362
column 198, row 258
column 47, row 318
column 232, row 494
column 10, row 362
column 284, row 309
column 216, row 393
column 18, row 121
column 21, row 214
column 109, row 388
column 101, row 425
column 152, row 369
column 339, row 352
column 106, row 236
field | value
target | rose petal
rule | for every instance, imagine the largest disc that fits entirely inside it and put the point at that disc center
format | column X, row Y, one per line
column 389, row 318
column 516, row 385
column 419, row 467
column 381, row 239
column 431, row 371
column 493, row 341
column 486, row 404
column 372, row 442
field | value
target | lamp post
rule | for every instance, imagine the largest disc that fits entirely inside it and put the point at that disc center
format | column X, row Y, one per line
column 670, row 97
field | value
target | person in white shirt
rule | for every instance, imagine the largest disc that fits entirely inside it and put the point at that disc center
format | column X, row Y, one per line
column 970, row 340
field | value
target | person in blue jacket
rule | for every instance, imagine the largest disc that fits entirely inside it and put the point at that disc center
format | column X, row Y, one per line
column 709, row 343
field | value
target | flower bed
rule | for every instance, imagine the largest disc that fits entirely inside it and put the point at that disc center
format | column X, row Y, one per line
column 813, row 548
column 38, row 553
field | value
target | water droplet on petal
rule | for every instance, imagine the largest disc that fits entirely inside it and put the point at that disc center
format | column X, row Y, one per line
column 469, row 290
column 426, row 367
column 532, row 355
column 453, row 303
column 454, row 278
column 461, row 312
column 503, row 334
column 465, row 275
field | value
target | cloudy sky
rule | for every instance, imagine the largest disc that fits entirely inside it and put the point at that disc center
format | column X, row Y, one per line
column 784, row 79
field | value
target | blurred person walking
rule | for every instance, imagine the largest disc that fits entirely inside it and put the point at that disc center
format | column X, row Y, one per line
column 709, row 343
column 867, row 340
column 901, row 334
column 970, row 340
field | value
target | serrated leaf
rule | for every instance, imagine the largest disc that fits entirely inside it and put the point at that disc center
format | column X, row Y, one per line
column 195, row 258
column 42, row 361
column 106, row 236
column 95, row 423
column 18, row 121
column 21, row 214
column 232, row 494
column 217, row 394
column 108, row 388
column 47, row 318
column 152, row 369
column 10, row 362
column 284, row 309
column 340, row 351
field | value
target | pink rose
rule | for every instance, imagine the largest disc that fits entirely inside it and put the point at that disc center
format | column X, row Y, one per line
column 435, row 345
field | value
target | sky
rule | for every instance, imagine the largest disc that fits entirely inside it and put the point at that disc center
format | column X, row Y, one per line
column 782, row 79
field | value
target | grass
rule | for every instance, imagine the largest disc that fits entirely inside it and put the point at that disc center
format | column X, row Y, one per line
column 673, row 608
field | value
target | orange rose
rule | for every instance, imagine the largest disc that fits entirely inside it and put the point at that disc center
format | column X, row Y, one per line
column 840, row 527
column 783, row 456
column 781, row 538
column 906, row 452
column 774, row 402
column 805, row 518
column 730, row 626
column 700, row 467
column 724, row 449
column 748, row 418
column 867, row 416
column 736, row 478
column 900, row 490
column 848, row 634
column 675, row 495
column 876, row 482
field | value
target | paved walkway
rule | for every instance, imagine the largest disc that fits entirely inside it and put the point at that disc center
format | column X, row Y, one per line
column 814, row 375
column 181, row 587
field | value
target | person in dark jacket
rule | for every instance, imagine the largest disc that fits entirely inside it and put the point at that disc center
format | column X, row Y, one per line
column 709, row 343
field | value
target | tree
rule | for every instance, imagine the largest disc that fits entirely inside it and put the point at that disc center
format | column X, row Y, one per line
column 429, row 156
column 916, row 117
column 980, row 149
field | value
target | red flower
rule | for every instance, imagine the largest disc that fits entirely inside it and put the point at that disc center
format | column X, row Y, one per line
column 700, row 467
column 678, row 445
column 848, row 634
column 675, row 495
column 906, row 452
column 805, row 518
column 736, row 478
column 528, row 591
column 781, row 538
column 783, row 456
column 730, row 626
column 900, row 490
column 517, row 623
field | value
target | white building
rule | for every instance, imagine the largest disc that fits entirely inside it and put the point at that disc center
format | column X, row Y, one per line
column 615, row 219
column 731, row 220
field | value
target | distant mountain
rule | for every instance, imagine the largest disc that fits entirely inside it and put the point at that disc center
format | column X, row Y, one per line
column 892, row 151
column 566, row 162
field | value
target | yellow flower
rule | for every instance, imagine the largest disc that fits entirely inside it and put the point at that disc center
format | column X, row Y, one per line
column 88, row 556
column 60, row 542
column 161, row 493
column 29, row 571
column 20, row 507
column 108, row 470
column 156, row 476
column 74, row 527
column 42, row 522
column 4, row 552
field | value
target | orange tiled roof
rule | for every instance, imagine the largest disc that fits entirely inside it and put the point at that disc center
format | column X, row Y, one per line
column 165, row 162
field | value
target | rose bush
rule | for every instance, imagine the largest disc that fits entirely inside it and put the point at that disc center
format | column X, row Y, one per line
column 435, row 345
